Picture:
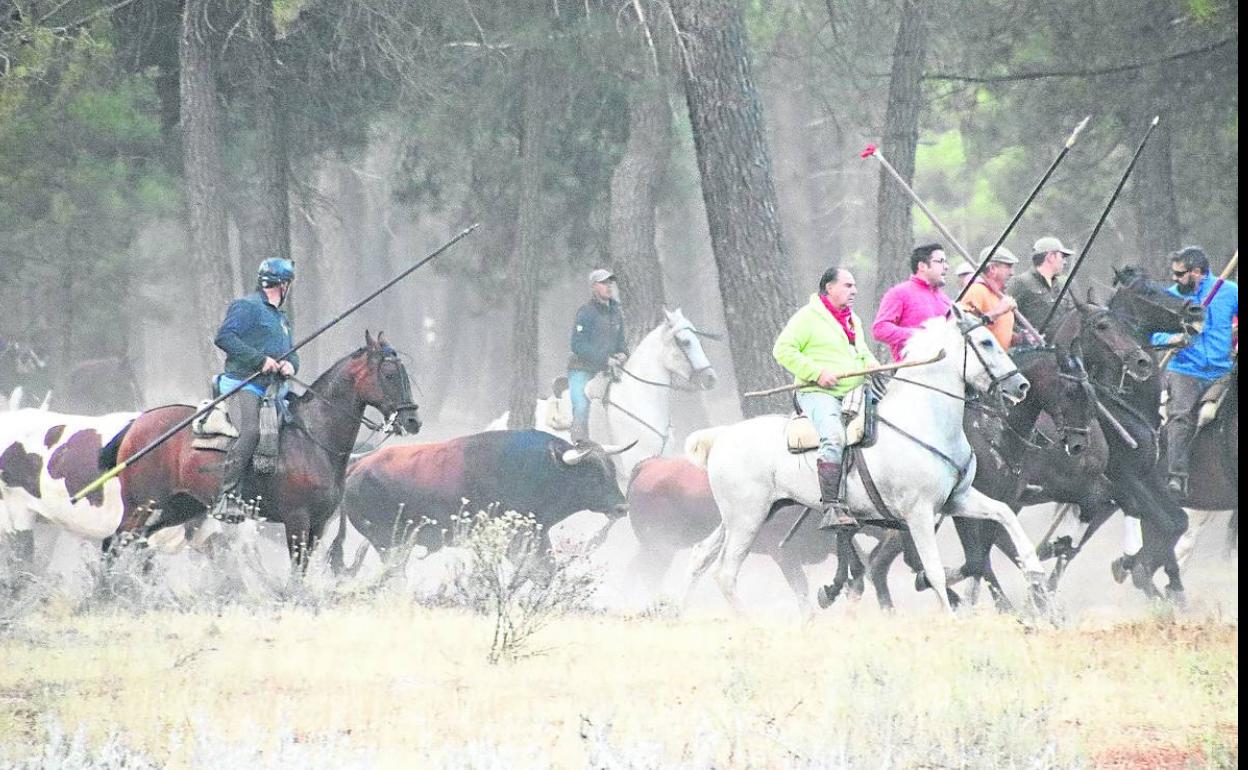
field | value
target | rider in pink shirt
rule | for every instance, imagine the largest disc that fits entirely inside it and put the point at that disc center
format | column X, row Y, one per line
column 905, row 307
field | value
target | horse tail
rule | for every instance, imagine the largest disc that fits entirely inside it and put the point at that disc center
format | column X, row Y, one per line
column 107, row 457
column 698, row 445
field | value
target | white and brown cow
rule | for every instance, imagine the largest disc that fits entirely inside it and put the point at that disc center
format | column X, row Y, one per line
column 44, row 458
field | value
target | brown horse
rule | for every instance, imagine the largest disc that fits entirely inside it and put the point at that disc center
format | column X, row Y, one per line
column 177, row 482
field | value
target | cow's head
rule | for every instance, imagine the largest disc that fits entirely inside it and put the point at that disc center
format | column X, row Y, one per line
column 593, row 484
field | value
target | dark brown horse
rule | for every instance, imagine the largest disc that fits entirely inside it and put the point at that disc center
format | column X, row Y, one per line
column 179, row 482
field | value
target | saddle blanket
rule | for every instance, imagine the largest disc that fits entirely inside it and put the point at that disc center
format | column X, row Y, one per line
column 213, row 429
column 800, row 435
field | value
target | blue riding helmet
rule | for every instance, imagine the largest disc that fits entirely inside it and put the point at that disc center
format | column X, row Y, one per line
column 275, row 270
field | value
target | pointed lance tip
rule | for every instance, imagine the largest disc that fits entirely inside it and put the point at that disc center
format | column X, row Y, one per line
column 1156, row 120
column 1075, row 134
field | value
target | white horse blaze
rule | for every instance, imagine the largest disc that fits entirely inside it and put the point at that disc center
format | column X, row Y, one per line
column 750, row 468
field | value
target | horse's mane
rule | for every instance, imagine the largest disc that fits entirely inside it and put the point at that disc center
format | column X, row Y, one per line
column 929, row 340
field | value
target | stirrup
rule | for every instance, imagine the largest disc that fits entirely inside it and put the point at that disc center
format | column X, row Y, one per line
column 229, row 509
column 836, row 515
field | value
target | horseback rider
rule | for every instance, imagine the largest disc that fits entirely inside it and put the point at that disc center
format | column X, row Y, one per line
column 821, row 339
column 1036, row 289
column 1206, row 358
column 254, row 335
column 987, row 297
column 906, row 306
column 597, row 345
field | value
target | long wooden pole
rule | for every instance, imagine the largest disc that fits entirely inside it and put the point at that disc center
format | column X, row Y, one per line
column 1083, row 253
column 1070, row 142
column 854, row 373
column 139, row 455
column 874, row 152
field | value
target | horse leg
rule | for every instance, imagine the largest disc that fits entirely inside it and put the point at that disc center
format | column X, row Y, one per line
column 700, row 559
column 977, row 505
column 844, row 548
column 649, row 566
column 880, row 561
column 737, row 543
column 1232, row 533
column 299, row 540
column 923, row 534
column 795, row 576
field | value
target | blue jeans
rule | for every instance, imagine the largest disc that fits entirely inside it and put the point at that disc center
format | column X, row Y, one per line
column 577, row 380
column 824, row 410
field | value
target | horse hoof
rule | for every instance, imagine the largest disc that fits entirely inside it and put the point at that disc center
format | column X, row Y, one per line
column 1118, row 570
column 1176, row 596
column 920, row 581
column 825, row 596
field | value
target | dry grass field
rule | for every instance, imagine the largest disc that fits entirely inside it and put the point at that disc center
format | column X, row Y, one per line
column 382, row 682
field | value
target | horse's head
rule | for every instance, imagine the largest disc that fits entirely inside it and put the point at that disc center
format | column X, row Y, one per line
column 683, row 355
column 381, row 381
column 1107, row 343
column 1061, row 387
column 985, row 364
column 1148, row 307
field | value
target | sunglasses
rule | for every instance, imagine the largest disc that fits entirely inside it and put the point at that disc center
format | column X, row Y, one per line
column 1181, row 273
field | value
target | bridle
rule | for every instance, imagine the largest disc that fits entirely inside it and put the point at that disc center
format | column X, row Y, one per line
column 664, row 435
column 387, row 426
column 965, row 328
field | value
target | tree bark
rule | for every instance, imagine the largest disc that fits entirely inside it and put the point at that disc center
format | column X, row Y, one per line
column 635, row 184
column 206, row 224
column 264, row 214
column 900, row 137
column 755, row 272
column 527, row 261
column 1158, row 232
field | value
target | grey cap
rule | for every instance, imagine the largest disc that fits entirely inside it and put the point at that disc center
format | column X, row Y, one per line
column 1002, row 255
column 964, row 268
column 600, row 276
column 1050, row 243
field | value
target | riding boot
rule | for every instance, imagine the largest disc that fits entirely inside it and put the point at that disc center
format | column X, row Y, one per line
column 229, row 506
column 835, row 511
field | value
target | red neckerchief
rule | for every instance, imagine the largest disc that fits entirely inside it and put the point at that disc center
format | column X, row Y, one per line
column 842, row 317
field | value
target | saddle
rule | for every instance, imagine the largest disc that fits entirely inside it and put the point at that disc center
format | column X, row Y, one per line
column 858, row 409
column 1211, row 401
column 214, row 431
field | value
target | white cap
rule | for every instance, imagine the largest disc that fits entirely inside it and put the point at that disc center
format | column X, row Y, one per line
column 600, row 276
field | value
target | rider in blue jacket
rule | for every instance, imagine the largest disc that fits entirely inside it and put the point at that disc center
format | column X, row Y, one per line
column 597, row 344
column 1206, row 358
column 254, row 335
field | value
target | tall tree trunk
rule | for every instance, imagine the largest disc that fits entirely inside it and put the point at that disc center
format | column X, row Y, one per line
column 901, row 135
column 635, row 184
column 263, row 214
column 525, row 275
column 207, row 231
column 755, row 273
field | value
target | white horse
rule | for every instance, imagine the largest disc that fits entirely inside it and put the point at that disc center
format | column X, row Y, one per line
column 922, row 463
column 638, row 405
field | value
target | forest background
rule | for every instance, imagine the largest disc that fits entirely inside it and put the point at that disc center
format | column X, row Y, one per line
column 152, row 152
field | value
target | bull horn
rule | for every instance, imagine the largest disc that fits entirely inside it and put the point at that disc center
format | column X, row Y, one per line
column 576, row 454
column 612, row 449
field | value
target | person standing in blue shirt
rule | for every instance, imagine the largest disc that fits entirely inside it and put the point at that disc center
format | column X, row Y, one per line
column 597, row 345
column 1207, row 357
column 254, row 335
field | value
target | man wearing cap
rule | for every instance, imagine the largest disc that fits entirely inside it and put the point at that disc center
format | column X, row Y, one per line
column 597, row 344
column 906, row 306
column 987, row 295
column 964, row 272
column 1036, row 289
column 1206, row 358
